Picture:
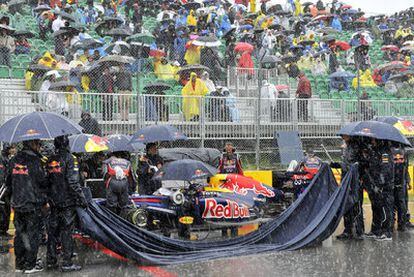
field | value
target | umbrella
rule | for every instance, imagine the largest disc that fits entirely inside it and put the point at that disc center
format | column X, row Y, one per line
column 342, row 74
column 7, row 28
column 157, row 53
column 66, row 16
column 243, row 47
column 344, row 7
column 328, row 38
column 23, row 33
column 282, row 87
column 406, row 127
column 37, row 125
column 61, row 85
column 408, row 43
column 144, row 38
column 322, row 52
column 16, row 2
column 327, row 30
column 392, row 65
column 115, row 20
column 290, row 59
column 60, row 32
column 392, row 48
column 119, row 47
column 185, row 170
column 115, row 60
column 229, row 32
column 87, row 44
column 270, row 59
column 85, row 143
column 120, row 143
column 157, row 86
column 192, row 6
column 343, row 45
column 38, row 68
column 42, row 8
column 322, row 17
column 374, row 129
column 208, row 41
column 191, row 68
column 155, row 133
column 407, row 49
column 120, row 32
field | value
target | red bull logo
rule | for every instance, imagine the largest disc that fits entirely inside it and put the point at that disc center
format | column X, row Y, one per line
column 408, row 125
column 20, row 169
column 31, row 132
column 257, row 187
column 141, row 137
column 366, row 130
column 212, row 209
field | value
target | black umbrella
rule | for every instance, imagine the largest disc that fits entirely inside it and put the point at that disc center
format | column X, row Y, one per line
column 66, row 16
column 38, row 68
column 328, row 38
column 374, row 129
column 21, row 33
column 115, row 20
column 61, row 85
column 327, row 30
column 155, row 133
column 185, row 170
column 207, row 41
column 16, row 2
column 342, row 74
column 37, row 125
column 157, row 86
column 42, row 8
column 119, row 32
column 7, row 28
column 229, row 32
column 120, row 143
column 120, row 48
column 192, row 6
column 275, row 26
column 87, row 44
column 290, row 59
column 115, row 60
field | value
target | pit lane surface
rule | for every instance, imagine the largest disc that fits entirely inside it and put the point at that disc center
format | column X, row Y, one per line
column 356, row 258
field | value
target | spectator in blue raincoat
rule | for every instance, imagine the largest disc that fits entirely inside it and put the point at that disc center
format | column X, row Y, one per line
column 179, row 46
column 181, row 20
column 336, row 24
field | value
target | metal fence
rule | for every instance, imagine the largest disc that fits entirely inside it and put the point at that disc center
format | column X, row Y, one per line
column 209, row 121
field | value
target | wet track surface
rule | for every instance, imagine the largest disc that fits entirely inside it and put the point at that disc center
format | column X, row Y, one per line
column 351, row 258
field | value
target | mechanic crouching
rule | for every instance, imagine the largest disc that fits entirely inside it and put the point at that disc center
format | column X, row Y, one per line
column 119, row 182
column 64, row 194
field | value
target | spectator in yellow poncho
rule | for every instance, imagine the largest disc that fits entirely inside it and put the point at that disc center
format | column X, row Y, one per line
column 192, row 55
column 48, row 60
column 192, row 21
column 192, row 92
column 165, row 71
column 298, row 8
column 365, row 80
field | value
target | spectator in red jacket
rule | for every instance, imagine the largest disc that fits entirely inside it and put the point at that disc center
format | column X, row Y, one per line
column 304, row 92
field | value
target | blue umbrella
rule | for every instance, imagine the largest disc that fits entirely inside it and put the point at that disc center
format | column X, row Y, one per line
column 37, row 125
column 342, row 74
column 118, row 143
column 86, row 143
column 374, row 129
column 185, row 170
column 155, row 133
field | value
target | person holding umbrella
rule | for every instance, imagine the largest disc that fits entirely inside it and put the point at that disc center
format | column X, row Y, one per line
column 106, row 86
column 64, row 194
column 26, row 182
column 9, row 150
column 148, row 165
column 7, row 45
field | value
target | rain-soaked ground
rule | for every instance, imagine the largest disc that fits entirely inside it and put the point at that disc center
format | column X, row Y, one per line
column 356, row 258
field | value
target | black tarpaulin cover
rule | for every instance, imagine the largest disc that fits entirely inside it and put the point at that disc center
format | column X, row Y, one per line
column 309, row 220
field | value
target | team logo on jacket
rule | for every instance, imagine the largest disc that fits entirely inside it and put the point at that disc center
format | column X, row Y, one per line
column 20, row 169
column 212, row 209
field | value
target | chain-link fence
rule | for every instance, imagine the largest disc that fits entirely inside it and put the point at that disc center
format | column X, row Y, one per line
column 208, row 121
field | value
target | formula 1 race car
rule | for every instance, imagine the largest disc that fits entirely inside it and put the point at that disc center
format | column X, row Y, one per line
column 232, row 201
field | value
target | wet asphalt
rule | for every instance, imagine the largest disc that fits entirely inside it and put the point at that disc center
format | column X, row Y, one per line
column 334, row 258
